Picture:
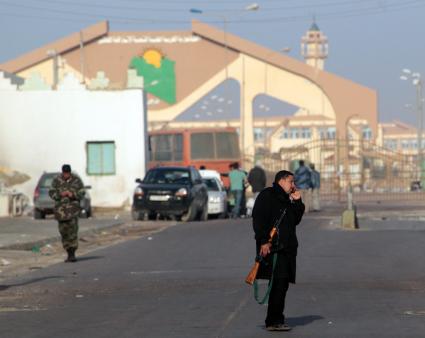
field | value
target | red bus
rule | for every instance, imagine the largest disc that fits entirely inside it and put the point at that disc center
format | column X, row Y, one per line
column 214, row 148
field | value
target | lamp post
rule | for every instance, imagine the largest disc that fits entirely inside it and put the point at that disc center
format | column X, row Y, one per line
column 285, row 50
column 417, row 82
column 223, row 17
column 54, row 55
column 347, row 141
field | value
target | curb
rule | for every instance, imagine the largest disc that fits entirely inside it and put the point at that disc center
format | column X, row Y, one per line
column 42, row 242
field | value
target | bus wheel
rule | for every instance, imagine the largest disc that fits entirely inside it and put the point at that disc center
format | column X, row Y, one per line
column 189, row 216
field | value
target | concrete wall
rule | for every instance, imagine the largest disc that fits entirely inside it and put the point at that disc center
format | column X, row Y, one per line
column 41, row 130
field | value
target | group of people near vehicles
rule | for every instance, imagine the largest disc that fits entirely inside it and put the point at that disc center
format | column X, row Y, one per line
column 307, row 180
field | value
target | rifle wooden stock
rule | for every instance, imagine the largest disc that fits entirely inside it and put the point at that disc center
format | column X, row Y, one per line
column 253, row 272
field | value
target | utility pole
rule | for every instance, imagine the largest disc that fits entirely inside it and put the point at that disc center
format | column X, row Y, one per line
column 417, row 82
column 82, row 58
column 53, row 54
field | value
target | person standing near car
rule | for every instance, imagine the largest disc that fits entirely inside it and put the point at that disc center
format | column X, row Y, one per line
column 237, row 179
column 67, row 191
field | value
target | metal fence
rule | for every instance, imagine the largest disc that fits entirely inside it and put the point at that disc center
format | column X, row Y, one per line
column 373, row 173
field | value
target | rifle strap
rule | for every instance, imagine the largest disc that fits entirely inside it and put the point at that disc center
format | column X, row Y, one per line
column 269, row 288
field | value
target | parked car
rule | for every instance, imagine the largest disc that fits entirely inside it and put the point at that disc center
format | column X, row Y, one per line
column 175, row 192
column 217, row 195
column 44, row 205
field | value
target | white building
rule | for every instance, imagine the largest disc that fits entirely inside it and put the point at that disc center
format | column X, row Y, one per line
column 102, row 134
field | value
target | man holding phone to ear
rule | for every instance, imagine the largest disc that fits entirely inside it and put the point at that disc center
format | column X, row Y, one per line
column 283, row 196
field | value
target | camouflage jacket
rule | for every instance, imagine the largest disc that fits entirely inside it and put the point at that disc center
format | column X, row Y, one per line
column 67, row 208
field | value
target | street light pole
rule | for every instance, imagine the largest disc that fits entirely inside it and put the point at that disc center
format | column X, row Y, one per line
column 222, row 16
column 419, row 106
column 417, row 82
column 282, row 50
column 347, row 142
column 54, row 55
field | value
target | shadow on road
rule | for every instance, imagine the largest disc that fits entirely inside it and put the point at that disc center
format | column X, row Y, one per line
column 88, row 258
column 31, row 281
column 301, row 321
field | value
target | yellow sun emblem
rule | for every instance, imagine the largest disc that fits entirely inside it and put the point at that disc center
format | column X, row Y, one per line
column 153, row 57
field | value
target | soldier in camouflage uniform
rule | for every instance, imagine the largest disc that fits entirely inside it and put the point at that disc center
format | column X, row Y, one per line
column 67, row 191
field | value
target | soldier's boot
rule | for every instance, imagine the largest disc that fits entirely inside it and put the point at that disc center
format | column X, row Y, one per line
column 71, row 255
column 72, row 258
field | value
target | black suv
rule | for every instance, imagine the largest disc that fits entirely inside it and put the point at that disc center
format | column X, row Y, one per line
column 174, row 192
column 44, row 205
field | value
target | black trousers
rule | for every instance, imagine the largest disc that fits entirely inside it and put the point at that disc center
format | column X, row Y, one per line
column 277, row 301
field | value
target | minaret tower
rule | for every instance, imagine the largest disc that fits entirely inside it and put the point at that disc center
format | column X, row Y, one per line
column 314, row 47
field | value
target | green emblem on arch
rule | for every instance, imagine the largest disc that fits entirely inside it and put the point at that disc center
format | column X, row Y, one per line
column 153, row 66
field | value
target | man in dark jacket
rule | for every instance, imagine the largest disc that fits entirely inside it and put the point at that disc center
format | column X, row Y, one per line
column 257, row 179
column 269, row 205
column 303, row 182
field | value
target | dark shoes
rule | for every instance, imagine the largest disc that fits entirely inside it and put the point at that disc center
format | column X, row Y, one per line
column 278, row 327
column 71, row 256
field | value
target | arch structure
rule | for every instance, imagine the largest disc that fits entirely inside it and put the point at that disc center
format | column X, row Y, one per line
column 178, row 68
column 260, row 70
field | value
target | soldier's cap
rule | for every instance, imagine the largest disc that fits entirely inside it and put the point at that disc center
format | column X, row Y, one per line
column 66, row 168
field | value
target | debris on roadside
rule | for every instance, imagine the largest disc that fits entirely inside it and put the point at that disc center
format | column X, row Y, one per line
column 47, row 250
column 35, row 249
column 5, row 262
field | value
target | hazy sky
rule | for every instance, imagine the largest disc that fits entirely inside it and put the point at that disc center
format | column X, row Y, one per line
column 370, row 41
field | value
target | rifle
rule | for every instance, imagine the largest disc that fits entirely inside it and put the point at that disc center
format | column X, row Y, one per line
column 253, row 272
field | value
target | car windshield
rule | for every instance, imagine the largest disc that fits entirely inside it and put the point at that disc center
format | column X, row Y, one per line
column 167, row 176
column 211, row 184
column 46, row 181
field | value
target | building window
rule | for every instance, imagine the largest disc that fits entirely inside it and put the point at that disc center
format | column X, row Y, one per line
column 367, row 133
column 327, row 133
column 305, row 133
column 258, row 134
column 296, row 133
column 390, row 144
column 101, row 158
column 408, row 144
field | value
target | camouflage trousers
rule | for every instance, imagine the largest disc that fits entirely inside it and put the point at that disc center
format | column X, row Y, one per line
column 69, row 232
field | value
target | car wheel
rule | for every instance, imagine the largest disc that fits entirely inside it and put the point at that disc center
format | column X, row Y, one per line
column 137, row 215
column 203, row 216
column 190, row 215
column 222, row 215
column 38, row 214
column 152, row 216
column 84, row 214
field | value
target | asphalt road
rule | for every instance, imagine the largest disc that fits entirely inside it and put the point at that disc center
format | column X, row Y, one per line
column 187, row 281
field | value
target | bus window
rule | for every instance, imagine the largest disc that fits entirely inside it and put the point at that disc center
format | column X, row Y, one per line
column 167, row 147
column 202, row 146
column 178, row 147
column 227, row 145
